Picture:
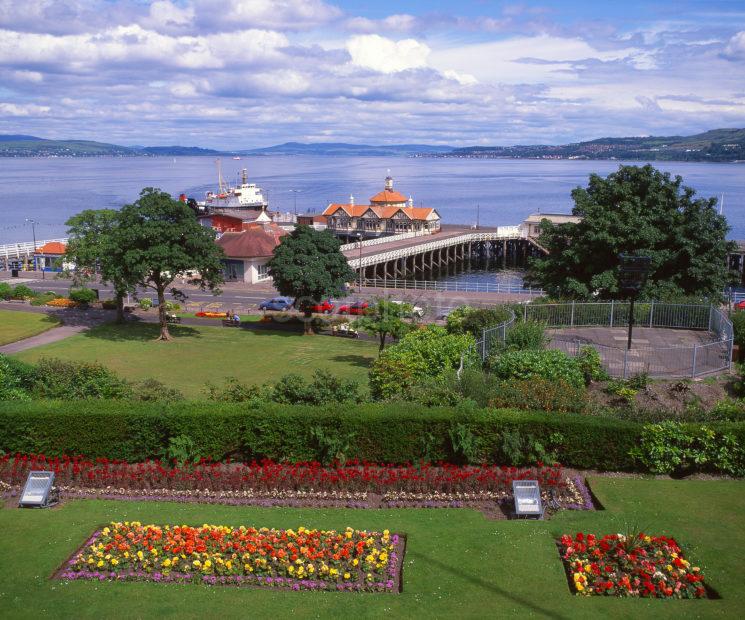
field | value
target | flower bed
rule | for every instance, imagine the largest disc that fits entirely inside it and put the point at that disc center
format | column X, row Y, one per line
column 306, row 559
column 357, row 485
column 633, row 565
column 62, row 302
column 210, row 315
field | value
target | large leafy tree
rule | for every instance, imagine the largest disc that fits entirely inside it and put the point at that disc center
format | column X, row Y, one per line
column 385, row 318
column 158, row 239
column 90, row 248
column 641, row 211
column 308, row 265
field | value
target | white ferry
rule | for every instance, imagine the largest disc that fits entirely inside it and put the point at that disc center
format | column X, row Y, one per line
column 245, row 196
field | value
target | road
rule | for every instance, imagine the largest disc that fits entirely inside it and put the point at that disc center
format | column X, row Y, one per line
column 245, row 298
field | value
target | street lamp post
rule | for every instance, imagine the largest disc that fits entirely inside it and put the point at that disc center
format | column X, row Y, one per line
column 633, row 274
column 295, row 192
column 359, row 265
column 33, row 232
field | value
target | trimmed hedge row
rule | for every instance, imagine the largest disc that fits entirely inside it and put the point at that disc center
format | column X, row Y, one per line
column 390, row 433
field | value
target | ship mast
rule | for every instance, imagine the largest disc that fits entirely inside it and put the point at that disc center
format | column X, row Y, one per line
column 220, row 183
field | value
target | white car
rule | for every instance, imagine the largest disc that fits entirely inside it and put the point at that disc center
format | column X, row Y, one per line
column 416, row 311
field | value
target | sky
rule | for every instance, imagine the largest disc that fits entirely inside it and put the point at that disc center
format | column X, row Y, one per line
column 233, row 74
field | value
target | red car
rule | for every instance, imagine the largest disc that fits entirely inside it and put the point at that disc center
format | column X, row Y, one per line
column 325, row 307
column 357, row 307
column 740, row 305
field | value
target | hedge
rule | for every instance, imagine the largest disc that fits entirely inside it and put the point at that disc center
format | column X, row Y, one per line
column 382, row 433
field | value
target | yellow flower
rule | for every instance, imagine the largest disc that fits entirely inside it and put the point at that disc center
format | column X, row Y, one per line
column 355, row 562
column 580, row 587
column 100, row 563
column 139, row 555
column 347, row 575
column 114, row 562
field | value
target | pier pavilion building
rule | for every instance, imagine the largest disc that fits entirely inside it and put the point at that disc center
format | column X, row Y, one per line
column 389, row 213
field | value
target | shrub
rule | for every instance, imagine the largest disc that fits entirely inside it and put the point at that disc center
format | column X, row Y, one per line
column 526, row 335
column 6, row 291
column 383, row 433
column 13, row 379
column 727, row 409
column 430, row 351
column 21, row 291
column 323, row 389
column 108, row 304
column 66, row 380
column 83, row 296
column 591, row 365
column 738, row 323
column 151, row 390
column 525, row 449
column 233, row 391
column 172, row 306
column 145, row 303
column 549, row 364
column 672, row 448
column 539, row 394
column 470, row 320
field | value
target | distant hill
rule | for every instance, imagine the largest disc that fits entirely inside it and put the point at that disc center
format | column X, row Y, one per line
column 342, row 148
column 716, row 145
column 722, row 145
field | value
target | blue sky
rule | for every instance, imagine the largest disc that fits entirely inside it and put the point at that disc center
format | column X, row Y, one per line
column 244, row 73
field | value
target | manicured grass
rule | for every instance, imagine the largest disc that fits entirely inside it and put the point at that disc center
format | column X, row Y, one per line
column 16, row 325
column 458, row 564
column 200, row 354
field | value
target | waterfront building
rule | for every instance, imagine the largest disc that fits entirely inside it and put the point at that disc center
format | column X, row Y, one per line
column 531, row 225
column 389, row 213
column 223, row 222
column 248, row 250
column 49, row 256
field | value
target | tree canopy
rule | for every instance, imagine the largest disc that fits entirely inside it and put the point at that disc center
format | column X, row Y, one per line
column 308, row 265
column 90, row 248
column 385, row 318
column 157, row 239
column 639, row 211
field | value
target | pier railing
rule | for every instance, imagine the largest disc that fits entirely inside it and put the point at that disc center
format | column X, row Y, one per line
column 464, row 287
column 24, row 249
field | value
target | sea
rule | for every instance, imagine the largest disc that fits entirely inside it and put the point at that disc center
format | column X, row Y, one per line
column 492, row 192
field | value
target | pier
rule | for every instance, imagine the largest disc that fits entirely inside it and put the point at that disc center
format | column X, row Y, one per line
column 413, row 256
column 21, row 255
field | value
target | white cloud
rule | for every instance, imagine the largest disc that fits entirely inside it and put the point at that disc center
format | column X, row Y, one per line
column 28, row 76
column 385, row 55
column 167, row 16
column 736, row 47
column 272, row 14
column 20, row 109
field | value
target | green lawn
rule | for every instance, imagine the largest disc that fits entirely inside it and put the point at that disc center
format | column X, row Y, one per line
column 458, row 564
column 16, row 325
column 198, row 354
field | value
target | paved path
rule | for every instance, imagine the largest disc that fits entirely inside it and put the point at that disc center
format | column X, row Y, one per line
column 74, row 321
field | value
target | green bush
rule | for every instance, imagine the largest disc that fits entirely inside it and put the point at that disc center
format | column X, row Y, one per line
column 108, row 304
column 67, row 380
column 384, row 433
column 549, row 364
column 172, row 306
column 152, row 390
column 526, row 335
column 6, row 291
column 44, row 298
column 324, row 388
column 21, row 291
column 591, row 365
column 145, row 303
column 738, row 323
column 470, row 320
column 14, row 379
column 83, row 295
column 427, row 352
column 672, row 448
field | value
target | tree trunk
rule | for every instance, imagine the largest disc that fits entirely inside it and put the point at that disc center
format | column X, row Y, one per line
column 164, row 333
column 308, row 316
column 382, row 342
column 119, row 308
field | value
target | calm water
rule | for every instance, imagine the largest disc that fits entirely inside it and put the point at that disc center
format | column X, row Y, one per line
column 51, row 190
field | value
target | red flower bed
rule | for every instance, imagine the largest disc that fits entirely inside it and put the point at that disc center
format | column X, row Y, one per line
column 269, row 476
column 634, row 565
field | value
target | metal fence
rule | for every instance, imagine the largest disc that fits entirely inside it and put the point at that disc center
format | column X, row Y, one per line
column 680, row 361
column 512, row 288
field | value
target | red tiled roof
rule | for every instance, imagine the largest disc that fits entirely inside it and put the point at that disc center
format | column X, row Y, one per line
column 414, row 213
column 388, row 196
column 53, row 247
column 253, row 242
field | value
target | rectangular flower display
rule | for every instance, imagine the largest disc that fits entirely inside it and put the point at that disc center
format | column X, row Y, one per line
column 629, row 565
column 302, row 559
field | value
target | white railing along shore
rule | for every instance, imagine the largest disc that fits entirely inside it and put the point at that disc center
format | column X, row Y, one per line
column 26, row 248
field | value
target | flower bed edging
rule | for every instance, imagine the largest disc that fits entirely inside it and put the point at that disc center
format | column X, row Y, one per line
column 306, row 559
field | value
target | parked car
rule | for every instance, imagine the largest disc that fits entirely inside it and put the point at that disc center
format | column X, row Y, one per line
column 416, row 311
column 740, row 305
column 277, row 303
column 356, row 307
column 325, row 307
